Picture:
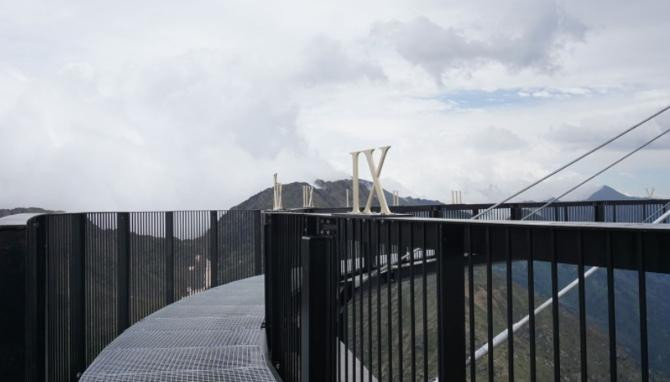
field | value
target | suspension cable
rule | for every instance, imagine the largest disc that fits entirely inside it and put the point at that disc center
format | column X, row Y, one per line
column 662, row 218
column 660, row 210
column 593, row 150
column 552, row 200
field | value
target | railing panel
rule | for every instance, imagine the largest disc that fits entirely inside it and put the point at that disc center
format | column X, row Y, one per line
column 100, row 263
column 518, row 314
column 98, row 273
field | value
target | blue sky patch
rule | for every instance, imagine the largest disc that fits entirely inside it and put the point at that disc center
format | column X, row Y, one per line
column 501, row 97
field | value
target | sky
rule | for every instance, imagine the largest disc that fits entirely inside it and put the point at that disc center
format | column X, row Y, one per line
column 164, row 105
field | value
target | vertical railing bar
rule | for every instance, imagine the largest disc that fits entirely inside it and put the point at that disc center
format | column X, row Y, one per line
column 611, row 307
column 258, row 265
column 531, row 303
column 451, row 302
column 169, row 260
column 642, row 290
column 389, row 269
column 489, row 302
column 399, row 256
column 361, row 293
column 279, row 258
column 292, row 319
column 347, row 298
column 352, row 247
column 298, row 225
column 39, row 306
column 51, row 280
column 471, row 303
column 554, row 305
column 123, row 222
column 281, row 231
column 582, row 310
column 368, row 269
column 288, row 287
column 411, row 300
column 77, row 281
column 379, row 306
column 424, row 305
column 510, row 309
column 337, row 269
column 296, row 303
column 214, row 249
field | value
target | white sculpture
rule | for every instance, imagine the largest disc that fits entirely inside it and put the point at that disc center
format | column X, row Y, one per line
column 375, row 171
column 307, row 192
column 456, row 197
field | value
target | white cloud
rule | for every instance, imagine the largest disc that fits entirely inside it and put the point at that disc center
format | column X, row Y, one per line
column 535, row 44
column 169, row 105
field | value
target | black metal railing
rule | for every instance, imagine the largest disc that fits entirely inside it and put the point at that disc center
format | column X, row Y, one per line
column 92, row 275
column 620, row 211
column 425, row 298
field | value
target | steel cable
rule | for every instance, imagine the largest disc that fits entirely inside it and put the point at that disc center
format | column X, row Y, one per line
column 593, row 150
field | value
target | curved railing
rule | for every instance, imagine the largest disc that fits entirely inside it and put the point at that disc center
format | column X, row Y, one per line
column 353, row 297
column 88, row 276
column 612, row 211
column 92, row 275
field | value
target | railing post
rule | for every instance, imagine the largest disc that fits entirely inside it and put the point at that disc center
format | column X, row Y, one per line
column 317, row 332
column 169, row 258
column 515, row 212
column 599, row 215
column 123, row 265
column 258, row 256
column 77, row 287
column 37, row 312
column 213, row 249
column 451, row 303
column 269, row 298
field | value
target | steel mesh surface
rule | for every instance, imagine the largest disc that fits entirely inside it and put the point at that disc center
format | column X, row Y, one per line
column 212, row 336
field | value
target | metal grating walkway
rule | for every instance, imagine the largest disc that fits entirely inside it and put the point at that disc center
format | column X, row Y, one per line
column 211, row 336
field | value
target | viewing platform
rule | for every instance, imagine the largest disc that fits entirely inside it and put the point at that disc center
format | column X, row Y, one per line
column 214, row 335
column 317, row 294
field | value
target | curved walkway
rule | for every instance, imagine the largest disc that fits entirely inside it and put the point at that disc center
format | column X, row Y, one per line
column 214, row 335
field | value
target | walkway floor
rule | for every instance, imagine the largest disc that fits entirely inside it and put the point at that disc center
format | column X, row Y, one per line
column 211, row 336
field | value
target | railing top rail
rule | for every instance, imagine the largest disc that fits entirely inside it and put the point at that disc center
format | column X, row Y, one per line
column 428, row 207
column 509, row 223
column 37, row 215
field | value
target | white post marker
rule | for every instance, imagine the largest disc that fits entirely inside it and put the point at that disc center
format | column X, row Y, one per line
column 277, row 196
column 456, row 197
column 355, row 202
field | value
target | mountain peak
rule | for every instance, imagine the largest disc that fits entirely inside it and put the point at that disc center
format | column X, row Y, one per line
column 608, row 193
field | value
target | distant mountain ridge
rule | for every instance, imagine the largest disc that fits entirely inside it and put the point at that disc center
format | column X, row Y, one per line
column 609, row 193
column 327, row 194
column 24, row 210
